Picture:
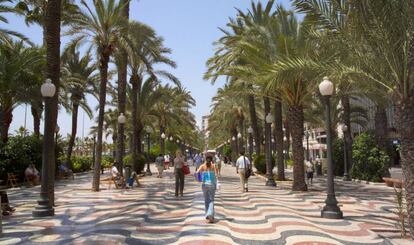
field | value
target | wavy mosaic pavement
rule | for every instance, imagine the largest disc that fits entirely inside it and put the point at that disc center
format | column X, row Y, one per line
column 152, row 215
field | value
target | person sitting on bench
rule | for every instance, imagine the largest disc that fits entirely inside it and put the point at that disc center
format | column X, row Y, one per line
column 117, row 176
column 32, row 175
column 65, row 171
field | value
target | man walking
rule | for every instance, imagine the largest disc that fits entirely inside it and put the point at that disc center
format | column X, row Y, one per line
column 242, row 166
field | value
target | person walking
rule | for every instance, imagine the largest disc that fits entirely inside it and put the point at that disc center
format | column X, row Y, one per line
column 179, row 173
column 159, row 162
column 209, row 185
column 198, row 159
column 309, row 172
column 218, row 164
column 242, row 166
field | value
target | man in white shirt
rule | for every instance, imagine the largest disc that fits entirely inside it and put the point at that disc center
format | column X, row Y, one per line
column 243, row 164
column 119, row 179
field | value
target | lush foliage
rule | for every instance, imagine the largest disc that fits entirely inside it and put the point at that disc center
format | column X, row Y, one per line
column 338, row 156
column 18, row 153
column 81, row 163
column 260, row 163
column 141, row 162
column 368, row 160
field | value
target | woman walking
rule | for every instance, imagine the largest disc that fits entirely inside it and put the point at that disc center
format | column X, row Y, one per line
column 179, row 173
column 209, row 171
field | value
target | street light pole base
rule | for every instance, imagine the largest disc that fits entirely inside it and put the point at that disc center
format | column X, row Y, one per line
column 327, row 214
column 148, row 172
column 271, row 182
column 346, row 178
column 43, row 209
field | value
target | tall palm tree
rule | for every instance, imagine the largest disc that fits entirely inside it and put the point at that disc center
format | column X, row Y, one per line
column 79, row 79
column 19, row 66
column 6, row 34
column 122, row 65
column 103, row 27
column 148, row 51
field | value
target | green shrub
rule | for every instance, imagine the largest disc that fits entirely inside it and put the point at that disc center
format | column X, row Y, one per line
column 139, row 165
column 81, row 163
column 107, row 161
column 338, row 156
column 260, row 163
column 289, row 163
column 368, row 160
column 18, row 153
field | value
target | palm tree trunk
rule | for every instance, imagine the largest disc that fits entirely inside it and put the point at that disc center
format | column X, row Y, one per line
column 234, row 148
column 278, row 134
column 162, row 141
column 287, row 134
column 404, row 121
column 253, row 119
column 6, row 117
column 36, row 109
column 103, row 69
column 295, row 118
column 240, row 143
column 348, row 134
column 268, row 142
column 52, row 23
column 134, row 100
column 381, row 130
column 75, row 108
column 122, row 82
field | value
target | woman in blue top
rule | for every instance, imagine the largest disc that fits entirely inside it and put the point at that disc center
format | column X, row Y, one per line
column 209, row 172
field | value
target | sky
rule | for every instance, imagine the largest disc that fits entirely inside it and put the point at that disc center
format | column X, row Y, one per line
column 189, row 28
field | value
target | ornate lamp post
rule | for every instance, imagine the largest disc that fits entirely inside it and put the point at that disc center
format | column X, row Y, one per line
column 149, row 132
column 163, row 136
column 346, row 164
column 44, row 207
column 268, row 134
column 250, row 131
column 120, row 154
column 307, row 145
column 331, row 209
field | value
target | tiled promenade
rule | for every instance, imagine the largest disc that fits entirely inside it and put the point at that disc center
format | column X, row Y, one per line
column 152, row 215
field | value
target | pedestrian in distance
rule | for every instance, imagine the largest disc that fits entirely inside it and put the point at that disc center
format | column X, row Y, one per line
column 209, row 185
column 218, row 164
column 179, row 173
column 309, row 172
column 242, row 168
column 159, row 162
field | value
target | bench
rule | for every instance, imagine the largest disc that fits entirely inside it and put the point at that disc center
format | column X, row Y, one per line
column 11, row 180
column 391, row 182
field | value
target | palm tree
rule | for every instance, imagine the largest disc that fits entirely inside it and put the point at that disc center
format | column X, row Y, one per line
column 104, row 29
column 122, row 65
column 19, row 66
column 148, row 51
column 6, row 34
column 381, row 36
column 79, row 79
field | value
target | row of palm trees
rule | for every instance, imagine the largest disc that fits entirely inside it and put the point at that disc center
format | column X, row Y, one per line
column 267, row 54
column 151, row 97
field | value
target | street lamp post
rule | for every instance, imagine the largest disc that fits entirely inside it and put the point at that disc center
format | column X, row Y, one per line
column 346, row 174
column 163, row 136
column 307, row 145
column 250, row 131
column 269, row 168
column 44, row 207
column 331, row 209
column 120, row 154
column 149, row 132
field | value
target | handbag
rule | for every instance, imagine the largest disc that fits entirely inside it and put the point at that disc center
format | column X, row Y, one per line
column 248, row 171
column 186, row 170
